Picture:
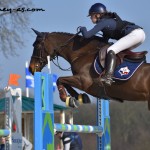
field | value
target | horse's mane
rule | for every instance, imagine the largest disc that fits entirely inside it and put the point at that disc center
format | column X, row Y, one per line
column 66, row 33
column 71, row 34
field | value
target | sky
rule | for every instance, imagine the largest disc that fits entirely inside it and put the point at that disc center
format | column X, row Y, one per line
column 66, row 16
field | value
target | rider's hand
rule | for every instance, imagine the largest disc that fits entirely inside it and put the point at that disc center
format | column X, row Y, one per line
column 80, row 29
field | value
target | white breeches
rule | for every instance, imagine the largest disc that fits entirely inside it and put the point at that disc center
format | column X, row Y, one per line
column 130, row 41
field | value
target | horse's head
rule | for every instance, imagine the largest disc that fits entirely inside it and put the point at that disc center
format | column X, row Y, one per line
column 40, row 52
column 69, row 46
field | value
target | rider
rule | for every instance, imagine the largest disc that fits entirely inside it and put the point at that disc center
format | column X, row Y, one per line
column 127, row 34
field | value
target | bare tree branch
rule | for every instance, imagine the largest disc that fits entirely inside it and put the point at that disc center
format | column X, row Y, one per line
column 13, row 25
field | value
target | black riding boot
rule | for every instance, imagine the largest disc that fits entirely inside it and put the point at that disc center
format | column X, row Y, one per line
column 110, row 67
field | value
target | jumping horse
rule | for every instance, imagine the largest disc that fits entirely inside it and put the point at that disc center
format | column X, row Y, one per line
column 81, row 53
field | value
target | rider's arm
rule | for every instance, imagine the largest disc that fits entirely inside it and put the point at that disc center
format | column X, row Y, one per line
column 103, row 23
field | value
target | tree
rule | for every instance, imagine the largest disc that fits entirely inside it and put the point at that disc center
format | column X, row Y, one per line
column 13, row 24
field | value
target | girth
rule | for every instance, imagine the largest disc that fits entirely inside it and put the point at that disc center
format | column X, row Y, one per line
column 134, row 56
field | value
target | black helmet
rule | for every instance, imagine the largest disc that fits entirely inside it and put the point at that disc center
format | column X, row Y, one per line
column 97, row 8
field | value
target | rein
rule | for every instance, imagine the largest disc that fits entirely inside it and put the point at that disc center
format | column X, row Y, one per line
column 57, row 50
column 61, row 48
column 66, row 43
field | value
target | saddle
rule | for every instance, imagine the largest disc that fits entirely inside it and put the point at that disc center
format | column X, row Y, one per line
column 133, row 56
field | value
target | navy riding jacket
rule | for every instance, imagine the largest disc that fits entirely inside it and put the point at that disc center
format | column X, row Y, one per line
column 106, row 24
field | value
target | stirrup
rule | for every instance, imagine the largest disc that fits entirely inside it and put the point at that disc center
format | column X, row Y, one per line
column 107, row 80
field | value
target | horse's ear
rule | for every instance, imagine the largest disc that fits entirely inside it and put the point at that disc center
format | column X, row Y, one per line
column 37, row 32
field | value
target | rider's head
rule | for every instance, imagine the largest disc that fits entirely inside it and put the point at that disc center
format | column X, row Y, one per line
column 97, row 11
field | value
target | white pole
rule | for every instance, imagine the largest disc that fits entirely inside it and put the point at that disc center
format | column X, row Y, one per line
column 71, row 117
column 27, row 89
column 27, row 92
column 62, row 116
column 48, row 64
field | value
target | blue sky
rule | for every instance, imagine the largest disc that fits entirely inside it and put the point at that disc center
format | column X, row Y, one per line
column 66, row 16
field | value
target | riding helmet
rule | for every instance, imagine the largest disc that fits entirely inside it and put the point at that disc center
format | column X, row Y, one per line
column 97, row 8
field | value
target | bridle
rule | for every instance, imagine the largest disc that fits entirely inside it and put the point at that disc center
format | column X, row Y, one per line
column 42, row 60
column 43, row 50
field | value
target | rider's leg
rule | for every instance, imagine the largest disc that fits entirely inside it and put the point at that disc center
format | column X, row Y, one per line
column 130, row 41
column 110, row 67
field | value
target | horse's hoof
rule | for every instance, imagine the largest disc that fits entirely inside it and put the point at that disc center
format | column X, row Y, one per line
column 84, row 98
column 72, row 102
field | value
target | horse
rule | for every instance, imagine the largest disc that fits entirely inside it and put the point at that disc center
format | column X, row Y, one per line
column 81, row 53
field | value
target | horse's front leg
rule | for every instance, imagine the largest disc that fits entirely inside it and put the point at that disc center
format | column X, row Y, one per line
column 67, row 83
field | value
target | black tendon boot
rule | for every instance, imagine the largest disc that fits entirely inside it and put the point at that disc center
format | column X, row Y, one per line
column 110, row 67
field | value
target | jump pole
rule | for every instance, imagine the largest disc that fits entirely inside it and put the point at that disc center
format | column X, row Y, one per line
column 44, row 117
column 13, row 113
column 43, row 112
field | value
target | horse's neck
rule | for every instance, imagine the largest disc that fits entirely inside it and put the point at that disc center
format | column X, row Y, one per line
column 63, row 45
column 74, row 49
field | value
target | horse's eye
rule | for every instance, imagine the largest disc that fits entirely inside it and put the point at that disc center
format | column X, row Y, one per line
column 37, row 65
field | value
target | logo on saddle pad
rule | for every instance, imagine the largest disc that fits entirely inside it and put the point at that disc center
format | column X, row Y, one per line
column 124, row 71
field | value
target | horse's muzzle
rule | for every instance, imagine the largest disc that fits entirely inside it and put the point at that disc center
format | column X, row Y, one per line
column 31, row 70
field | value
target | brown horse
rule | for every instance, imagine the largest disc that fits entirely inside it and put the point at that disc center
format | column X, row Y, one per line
column 80, row 53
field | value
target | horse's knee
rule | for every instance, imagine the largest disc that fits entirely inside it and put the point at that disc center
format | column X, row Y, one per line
column 58, row 81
